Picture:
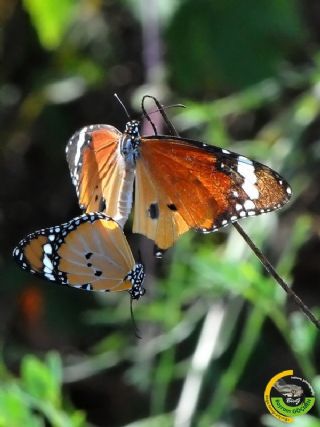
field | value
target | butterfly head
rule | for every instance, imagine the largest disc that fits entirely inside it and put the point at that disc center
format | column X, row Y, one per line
column 132, row 128
column 136, row 277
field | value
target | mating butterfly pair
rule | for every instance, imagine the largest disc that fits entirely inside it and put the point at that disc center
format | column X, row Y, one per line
column 180, row 184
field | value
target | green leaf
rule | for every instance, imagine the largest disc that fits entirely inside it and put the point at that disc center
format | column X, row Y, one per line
column 42, row 381
column 303, row 334
column 54, row 364
column 50, row 19
column 14, row 410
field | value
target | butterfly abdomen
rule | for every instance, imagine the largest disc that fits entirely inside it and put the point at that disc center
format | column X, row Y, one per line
column 124, row 199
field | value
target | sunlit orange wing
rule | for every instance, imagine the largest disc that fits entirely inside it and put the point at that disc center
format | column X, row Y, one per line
column 183, row 184
column 88, row 252
column 152, row 217
column 99, row 173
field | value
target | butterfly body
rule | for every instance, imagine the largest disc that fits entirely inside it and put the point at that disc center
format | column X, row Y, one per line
column 89, row 252
column 180, row 184
column 129, row 143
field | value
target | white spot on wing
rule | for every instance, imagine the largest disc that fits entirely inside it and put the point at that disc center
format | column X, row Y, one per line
column 248, row 205
column 47, row 248
column 48, row 264
column 251, row 190
column 80, row 143
column 247, row 171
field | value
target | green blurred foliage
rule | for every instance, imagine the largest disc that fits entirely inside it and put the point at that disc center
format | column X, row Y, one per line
column 229, row 45
column 35, row 398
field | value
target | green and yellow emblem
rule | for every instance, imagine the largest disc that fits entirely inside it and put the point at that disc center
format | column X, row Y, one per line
column 287, row 396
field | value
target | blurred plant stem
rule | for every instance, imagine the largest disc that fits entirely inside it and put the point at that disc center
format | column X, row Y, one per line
column 202, row 356
column 229, row 379
column 163, row 375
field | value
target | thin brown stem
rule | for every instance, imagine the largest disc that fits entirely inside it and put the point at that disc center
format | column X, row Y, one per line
column 270, row 269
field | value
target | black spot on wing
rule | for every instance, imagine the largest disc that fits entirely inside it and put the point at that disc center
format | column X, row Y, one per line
column 172, row 207
column 88, row 255
column 154, row 211
column 98, row 273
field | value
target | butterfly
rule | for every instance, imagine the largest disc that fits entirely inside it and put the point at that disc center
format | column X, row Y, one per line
column 178, row 183
column 89, row 252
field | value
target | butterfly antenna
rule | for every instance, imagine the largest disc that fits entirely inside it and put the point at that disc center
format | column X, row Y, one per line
column 172, row 129
column 270, row 269
column 135, row 327
column 161, row 109
column 122, row 105
column 146, row 115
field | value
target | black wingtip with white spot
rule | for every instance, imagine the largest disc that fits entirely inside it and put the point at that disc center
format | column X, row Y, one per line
column 247, row 208
column 50, row 258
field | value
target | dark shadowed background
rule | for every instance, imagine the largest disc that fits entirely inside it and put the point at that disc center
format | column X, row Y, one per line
column 215, row 328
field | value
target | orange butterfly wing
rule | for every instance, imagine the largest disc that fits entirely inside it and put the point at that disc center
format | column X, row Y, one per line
column 110, row 256
column 183, row 184
column 152, row 217
column 88, row 252
column 98, row 171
